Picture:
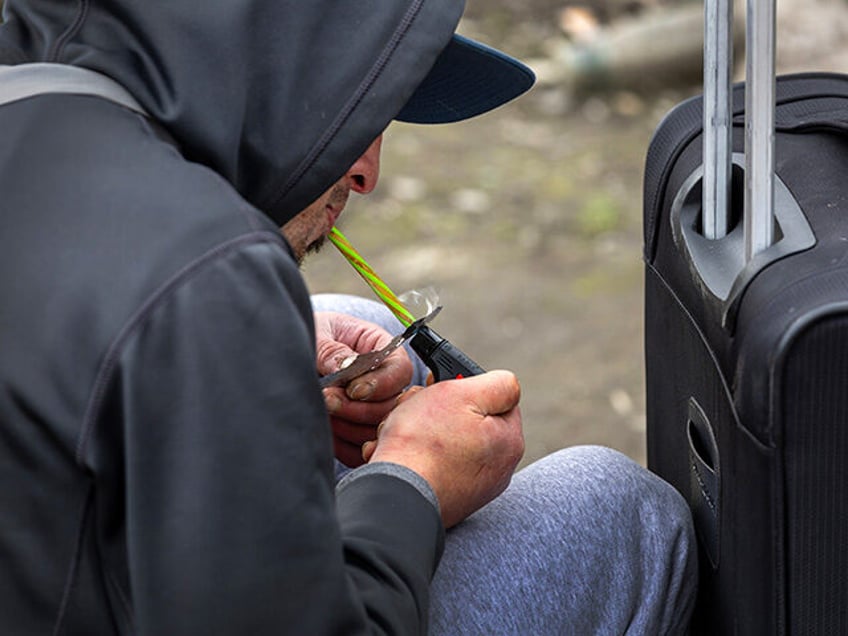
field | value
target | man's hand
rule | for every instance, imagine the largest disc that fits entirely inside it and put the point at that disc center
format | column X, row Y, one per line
column 463, row 436
column 355, row 410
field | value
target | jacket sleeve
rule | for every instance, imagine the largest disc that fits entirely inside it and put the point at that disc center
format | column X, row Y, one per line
column 213, row 439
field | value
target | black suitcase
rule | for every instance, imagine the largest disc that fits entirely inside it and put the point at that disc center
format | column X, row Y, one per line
column 747, row 359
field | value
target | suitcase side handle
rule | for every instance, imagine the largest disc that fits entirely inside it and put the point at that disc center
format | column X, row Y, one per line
column 704, row 480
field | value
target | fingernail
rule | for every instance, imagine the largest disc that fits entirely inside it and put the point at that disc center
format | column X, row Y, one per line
column 344, row 364
column 332, row 402
column 361, row 390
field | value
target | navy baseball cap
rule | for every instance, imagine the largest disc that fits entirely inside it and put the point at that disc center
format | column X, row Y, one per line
column 468, row 78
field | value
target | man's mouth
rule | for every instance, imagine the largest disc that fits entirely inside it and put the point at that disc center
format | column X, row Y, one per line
column 333, row 214
column 336, row 204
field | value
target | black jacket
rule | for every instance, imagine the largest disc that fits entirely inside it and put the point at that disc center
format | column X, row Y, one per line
column 165, row 454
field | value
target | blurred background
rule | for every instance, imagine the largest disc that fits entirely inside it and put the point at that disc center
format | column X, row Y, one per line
column 527, row 220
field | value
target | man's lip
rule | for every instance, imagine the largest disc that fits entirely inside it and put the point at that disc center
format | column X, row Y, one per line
column 333, row 214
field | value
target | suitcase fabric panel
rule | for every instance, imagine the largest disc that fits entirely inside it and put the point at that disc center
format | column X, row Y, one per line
column 741, row 572
column 813, row 413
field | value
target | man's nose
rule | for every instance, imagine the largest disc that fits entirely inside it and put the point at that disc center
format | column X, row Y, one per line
column 365, row 171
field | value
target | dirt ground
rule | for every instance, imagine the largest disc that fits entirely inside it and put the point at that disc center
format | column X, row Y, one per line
column 527, row 221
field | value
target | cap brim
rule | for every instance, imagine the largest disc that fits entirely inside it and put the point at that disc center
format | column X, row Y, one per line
column 468, row 79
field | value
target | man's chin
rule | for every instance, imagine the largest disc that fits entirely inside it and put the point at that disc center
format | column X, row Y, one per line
column 313, row 248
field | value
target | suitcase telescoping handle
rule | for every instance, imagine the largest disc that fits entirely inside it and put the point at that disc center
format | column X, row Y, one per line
column 759, row 121
column 718, row 65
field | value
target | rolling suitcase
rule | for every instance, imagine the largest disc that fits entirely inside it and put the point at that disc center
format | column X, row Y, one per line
column 746, row 334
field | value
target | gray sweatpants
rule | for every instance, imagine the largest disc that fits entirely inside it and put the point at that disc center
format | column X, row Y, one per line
column 584, row 541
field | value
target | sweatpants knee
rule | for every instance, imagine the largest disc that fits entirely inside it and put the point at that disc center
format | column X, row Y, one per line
column 614, row 488
column 584, row 541
column 655, row 541
column 619, row 478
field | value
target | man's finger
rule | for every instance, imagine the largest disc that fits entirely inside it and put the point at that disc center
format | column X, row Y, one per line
column 347, row 453
column 495, row 392
column 408, row 394
column 356, row 434
column 385, row 381
column 367, row 451
column 332, row 355
column 356, row 411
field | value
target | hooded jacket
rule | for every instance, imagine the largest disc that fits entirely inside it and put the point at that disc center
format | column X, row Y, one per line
column 165, row 454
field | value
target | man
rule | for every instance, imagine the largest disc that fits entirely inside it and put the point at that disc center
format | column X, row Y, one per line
column 164, row 445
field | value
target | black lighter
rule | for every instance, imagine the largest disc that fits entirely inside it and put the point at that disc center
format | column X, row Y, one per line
column 442, row 358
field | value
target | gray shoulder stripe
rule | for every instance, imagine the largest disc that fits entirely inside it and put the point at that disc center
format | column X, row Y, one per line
column 21, row 81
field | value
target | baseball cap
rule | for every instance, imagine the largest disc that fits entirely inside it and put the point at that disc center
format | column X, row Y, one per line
column 468, row 78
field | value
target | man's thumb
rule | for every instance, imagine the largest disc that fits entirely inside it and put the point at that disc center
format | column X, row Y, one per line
column 496, row 392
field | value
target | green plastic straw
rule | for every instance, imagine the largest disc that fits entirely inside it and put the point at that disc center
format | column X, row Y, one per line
column 370, row 276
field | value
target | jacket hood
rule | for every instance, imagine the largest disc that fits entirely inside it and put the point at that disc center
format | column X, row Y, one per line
column 279, row 97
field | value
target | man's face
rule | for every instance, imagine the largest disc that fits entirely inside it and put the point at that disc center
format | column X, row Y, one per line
column 307, row 231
